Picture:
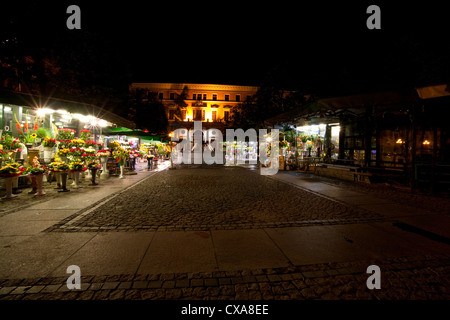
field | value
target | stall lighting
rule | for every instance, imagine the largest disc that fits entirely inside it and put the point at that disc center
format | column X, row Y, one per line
column 7, row 109
column 43, row 111
column 426, row 142
column 399, row 141
column 102, row 123
column 61, row 111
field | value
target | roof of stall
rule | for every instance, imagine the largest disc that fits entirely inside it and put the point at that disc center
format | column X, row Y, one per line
column 35, row 101
column 333, row 107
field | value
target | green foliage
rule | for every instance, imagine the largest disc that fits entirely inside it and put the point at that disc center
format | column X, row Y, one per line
column 43, row 133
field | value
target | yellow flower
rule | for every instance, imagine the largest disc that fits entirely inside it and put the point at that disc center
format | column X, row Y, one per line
column 34, row 135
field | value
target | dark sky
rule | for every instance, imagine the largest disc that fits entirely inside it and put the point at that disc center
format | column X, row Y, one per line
column 323, row 44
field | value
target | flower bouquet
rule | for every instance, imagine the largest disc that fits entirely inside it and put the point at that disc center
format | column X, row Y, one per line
column 85, row 135
column 77, row 166
column 60, row 167
column 10, row 143
column 49, row 143
column 76, row 152
column 113, row 145
column 76, row 143
column 284, row 144
column 64, row 143
column 104, row 153
column 88, row 156
column 92, row 165
column 36, row 168
column 90, row 144
column 11, row 170
column 64, row 152
column 65, row 134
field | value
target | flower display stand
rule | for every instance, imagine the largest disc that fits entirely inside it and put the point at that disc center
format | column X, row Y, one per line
column 39, row 191
column 76, row 179
column 94, row 175
column 64, row 182
column 9, row 188
column 104, row 164
column 58, row 179
column 121, row 172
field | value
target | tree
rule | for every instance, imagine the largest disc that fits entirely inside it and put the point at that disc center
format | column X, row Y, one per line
column 148, row 112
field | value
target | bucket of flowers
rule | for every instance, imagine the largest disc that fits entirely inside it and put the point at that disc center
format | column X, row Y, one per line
column 8, row 172
column 49, row 143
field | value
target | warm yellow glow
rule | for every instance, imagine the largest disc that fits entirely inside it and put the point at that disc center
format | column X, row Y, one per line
column 426, row 142
column 399, row 141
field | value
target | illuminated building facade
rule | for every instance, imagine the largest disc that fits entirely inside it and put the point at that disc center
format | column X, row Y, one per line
column 210, row 103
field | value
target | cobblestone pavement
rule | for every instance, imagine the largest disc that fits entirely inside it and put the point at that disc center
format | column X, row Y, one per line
column 195, row 199
column 411, row 278
column 231, row 198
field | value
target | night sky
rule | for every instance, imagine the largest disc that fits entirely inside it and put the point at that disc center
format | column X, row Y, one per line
column 324, row 46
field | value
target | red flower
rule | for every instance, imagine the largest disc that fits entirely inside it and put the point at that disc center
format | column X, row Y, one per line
column 35, row 126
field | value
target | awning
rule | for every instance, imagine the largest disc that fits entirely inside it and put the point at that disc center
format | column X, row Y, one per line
column 433, row 91
column 355, row 104
column 35, row 101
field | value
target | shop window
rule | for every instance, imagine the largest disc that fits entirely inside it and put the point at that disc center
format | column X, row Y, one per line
column 213, row 115
column 392, row 148
column 226, row 115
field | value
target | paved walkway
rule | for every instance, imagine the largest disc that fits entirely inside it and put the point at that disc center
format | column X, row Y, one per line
column 231, row 234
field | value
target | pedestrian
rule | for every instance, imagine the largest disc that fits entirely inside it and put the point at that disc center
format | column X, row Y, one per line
column 149, row 161
column 132, row 161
